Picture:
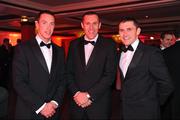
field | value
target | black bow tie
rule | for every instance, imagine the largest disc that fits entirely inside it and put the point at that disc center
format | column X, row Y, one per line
column 44, row 44
column 86, row 42
column 125, row 49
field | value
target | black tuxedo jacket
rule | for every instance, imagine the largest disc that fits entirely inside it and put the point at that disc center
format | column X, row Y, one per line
column 96, row 77
column 172, row 59
column 147, row 84
column 32, row 81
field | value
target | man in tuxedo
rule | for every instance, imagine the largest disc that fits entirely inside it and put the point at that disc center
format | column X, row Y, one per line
column 172, row 59
column 146, row 83
column 91, row 68
column 38, row 73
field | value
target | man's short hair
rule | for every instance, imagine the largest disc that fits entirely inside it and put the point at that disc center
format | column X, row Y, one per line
column 44, row 12
column 127, row 19
column 90, row 13
column 165, row 33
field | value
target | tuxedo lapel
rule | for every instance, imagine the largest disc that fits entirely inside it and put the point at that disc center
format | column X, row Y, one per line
column 95, row 51
column 54, row 58
column 37, row 52
column 82, row 52
column 121, row 73
column 136, row 58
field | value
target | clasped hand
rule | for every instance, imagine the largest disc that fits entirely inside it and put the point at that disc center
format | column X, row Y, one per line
column 49, row 110
column 82, row 100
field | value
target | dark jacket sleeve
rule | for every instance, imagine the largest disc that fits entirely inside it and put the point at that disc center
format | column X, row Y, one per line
column 20, row 80
column 159, row 70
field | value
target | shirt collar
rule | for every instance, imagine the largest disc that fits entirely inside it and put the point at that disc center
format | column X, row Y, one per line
column 162, row 47
column 95, row 39
column 39, row 40
column 135, row 44
column 178, row 40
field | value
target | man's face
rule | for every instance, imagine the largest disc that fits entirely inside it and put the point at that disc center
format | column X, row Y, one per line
column 128, row 32
column 91, row 26
column 45, row 26
column 167, row 41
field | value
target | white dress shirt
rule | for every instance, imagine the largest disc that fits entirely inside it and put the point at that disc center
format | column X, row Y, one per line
column 88, row 48
column 126, row 58
column 47, row 53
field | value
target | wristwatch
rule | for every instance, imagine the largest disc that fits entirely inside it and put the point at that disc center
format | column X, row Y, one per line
column 89, row 97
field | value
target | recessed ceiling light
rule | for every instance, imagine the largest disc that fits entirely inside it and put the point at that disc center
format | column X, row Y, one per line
column 152, row 38
column 24, row 19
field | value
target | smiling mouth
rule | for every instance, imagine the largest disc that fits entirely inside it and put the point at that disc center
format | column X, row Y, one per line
column 125, row 38
column 49, row 33
column 91, row 32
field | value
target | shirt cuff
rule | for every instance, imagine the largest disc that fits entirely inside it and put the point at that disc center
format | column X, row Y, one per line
column 39, row 110
column 76, row 93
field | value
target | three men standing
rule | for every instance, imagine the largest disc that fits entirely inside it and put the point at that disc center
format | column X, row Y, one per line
column 38, row 73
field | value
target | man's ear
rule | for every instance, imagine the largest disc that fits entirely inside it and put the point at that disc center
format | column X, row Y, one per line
column 138, row 31
column 82, row 26
column 99, row 25
column 36, row 25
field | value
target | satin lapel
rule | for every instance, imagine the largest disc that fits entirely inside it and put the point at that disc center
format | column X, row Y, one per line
column 121, row 74
column 82, row 52
column 54, row 58
column 95, row 51
column 136, row 58
column 37, row 51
